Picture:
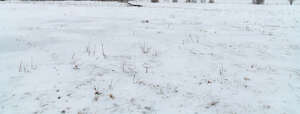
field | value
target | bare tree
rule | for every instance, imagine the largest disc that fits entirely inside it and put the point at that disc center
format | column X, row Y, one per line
column 258, row 1
column 154, row 1
column 124, row 1
column 211, row 1
column 291, row 2
column 194, row 1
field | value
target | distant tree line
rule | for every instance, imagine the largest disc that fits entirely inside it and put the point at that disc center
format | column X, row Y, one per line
column 155, row 1
column 263, row 1
column 68, row 0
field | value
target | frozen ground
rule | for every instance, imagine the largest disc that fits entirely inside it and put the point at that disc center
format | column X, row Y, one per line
column 159, row 59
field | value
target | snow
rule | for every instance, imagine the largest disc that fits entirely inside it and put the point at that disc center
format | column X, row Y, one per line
column 108, row 58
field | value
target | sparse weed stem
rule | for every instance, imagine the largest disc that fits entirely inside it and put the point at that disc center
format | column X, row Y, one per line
column 123, row 67
column 221, row 73
column 88, row 49
column 129, row 69
column 20, row 66
column 147, row 67
column 221, row 69
column 133, row 76
column 145, row 48
column 110, row 86
column 103, row 52
column 155, row 53
column 27, row 67
column 96, row 50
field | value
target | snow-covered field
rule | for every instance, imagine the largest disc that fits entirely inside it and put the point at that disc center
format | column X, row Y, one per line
column 165, row 58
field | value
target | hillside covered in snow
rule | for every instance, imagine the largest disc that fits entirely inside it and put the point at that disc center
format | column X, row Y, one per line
column 77, row 57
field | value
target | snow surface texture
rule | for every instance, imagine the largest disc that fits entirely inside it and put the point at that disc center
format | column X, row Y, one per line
column 107, row 58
